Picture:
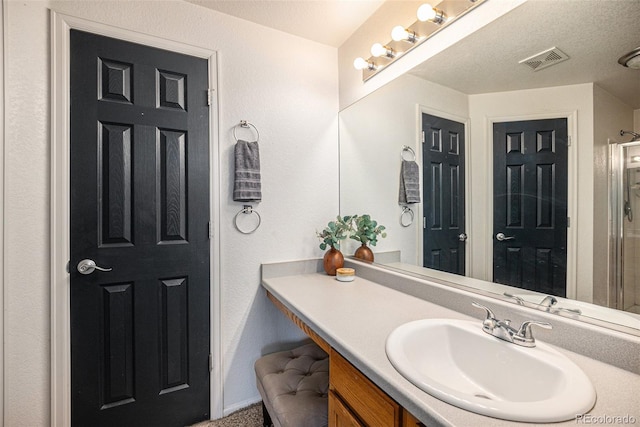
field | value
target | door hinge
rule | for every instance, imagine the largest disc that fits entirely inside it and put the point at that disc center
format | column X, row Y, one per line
column 210, row 230
column 568, row 222
column 569, row 141
column 210, row 362
column 210, row 96
column 424, row 222
column 423, row 137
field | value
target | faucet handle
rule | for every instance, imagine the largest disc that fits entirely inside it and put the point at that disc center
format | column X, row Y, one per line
column 519, row 300
column 490, row 321
column 548, row 301
column 525, row 336
column 489, row 314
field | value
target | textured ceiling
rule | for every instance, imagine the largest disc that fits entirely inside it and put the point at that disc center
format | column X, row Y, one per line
column 594, row 33
column 329, row 22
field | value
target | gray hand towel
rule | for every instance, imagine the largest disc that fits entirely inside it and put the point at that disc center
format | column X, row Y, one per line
column 409, row 183
column 247, row 186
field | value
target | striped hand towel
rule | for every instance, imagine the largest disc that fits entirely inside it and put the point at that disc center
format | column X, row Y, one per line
column 247, row 186
column 409, row 183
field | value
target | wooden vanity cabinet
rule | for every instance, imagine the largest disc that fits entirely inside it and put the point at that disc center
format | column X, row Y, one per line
column 354, row 401
column 364, row 398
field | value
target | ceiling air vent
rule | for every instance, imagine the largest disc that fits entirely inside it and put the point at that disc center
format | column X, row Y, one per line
column 545, row 59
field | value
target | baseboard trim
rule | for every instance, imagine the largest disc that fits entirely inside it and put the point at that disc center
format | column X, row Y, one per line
column 241, row 405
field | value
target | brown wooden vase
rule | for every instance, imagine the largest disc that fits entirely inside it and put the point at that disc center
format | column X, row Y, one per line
column 364, row 253
column 333, row 259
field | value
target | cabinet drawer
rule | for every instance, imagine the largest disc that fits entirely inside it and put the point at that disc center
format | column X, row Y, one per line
column 409, row 420
column 365, row 399
column 340, row 415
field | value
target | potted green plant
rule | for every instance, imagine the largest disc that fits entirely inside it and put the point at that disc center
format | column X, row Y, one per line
column 366, row 231
column 330, row 237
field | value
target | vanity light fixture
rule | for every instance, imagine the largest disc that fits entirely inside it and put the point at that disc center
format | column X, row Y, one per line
column 379, row 50
column 631, row 59
column 399, row 33
column 363, row 64
column 426, row 12
column 404, row 38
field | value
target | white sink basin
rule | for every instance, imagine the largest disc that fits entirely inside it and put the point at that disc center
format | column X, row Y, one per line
column 455, row 361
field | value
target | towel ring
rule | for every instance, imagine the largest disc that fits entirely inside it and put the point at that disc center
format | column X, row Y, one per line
column 406, row 148
column 406, row 217
column 247, row 210
column 245, row 124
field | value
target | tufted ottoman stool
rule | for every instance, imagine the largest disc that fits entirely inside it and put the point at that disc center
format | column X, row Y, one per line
column 294, row 386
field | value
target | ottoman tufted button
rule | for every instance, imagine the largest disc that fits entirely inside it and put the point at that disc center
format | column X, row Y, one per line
column 302, row 373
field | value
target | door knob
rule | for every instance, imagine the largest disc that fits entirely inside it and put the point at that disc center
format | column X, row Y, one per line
column 87, row 266
column 501, row 237
column 463, row 237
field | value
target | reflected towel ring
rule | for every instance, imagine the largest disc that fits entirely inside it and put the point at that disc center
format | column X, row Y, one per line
column 406, row 217
column 406, row 148
column 247, row 210
column 245, row 124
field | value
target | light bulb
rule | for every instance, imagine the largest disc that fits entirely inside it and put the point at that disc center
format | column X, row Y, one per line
column 399, row 33
column 378, row 50
column 426, row 12
column 360, row 64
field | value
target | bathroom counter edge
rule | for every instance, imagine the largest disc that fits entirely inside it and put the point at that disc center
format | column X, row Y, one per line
column 356, row 317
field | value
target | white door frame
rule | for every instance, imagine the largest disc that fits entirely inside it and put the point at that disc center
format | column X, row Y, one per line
column 2, row 139
column 60, row 186
column 572, row 190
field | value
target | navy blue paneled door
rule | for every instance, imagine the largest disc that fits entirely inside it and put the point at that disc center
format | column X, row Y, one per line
column 443, row 175
column 139, row 209
column 530, row 205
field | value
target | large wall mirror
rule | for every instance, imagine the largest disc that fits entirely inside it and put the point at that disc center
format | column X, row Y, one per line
column 527, row 188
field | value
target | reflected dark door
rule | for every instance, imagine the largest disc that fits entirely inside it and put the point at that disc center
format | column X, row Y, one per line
column 443, row 157
column 140, row 206
column 530, row 205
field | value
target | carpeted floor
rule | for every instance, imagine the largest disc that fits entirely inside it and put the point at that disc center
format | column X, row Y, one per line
column 250, row 416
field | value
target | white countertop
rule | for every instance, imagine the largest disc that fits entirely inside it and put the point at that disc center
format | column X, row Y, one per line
column 356, row 317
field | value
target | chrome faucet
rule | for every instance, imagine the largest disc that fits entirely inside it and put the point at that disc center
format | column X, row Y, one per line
column 502, row 328
column 548, row 301
column 519, row 300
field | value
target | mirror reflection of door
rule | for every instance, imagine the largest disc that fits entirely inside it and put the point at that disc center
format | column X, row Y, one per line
column 530, row 205
column 443, row 186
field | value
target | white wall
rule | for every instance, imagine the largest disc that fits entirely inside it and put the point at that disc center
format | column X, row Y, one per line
column 285, row 85
column 372, row 133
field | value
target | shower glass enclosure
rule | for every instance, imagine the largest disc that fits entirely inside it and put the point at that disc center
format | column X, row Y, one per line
column 625, row 222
